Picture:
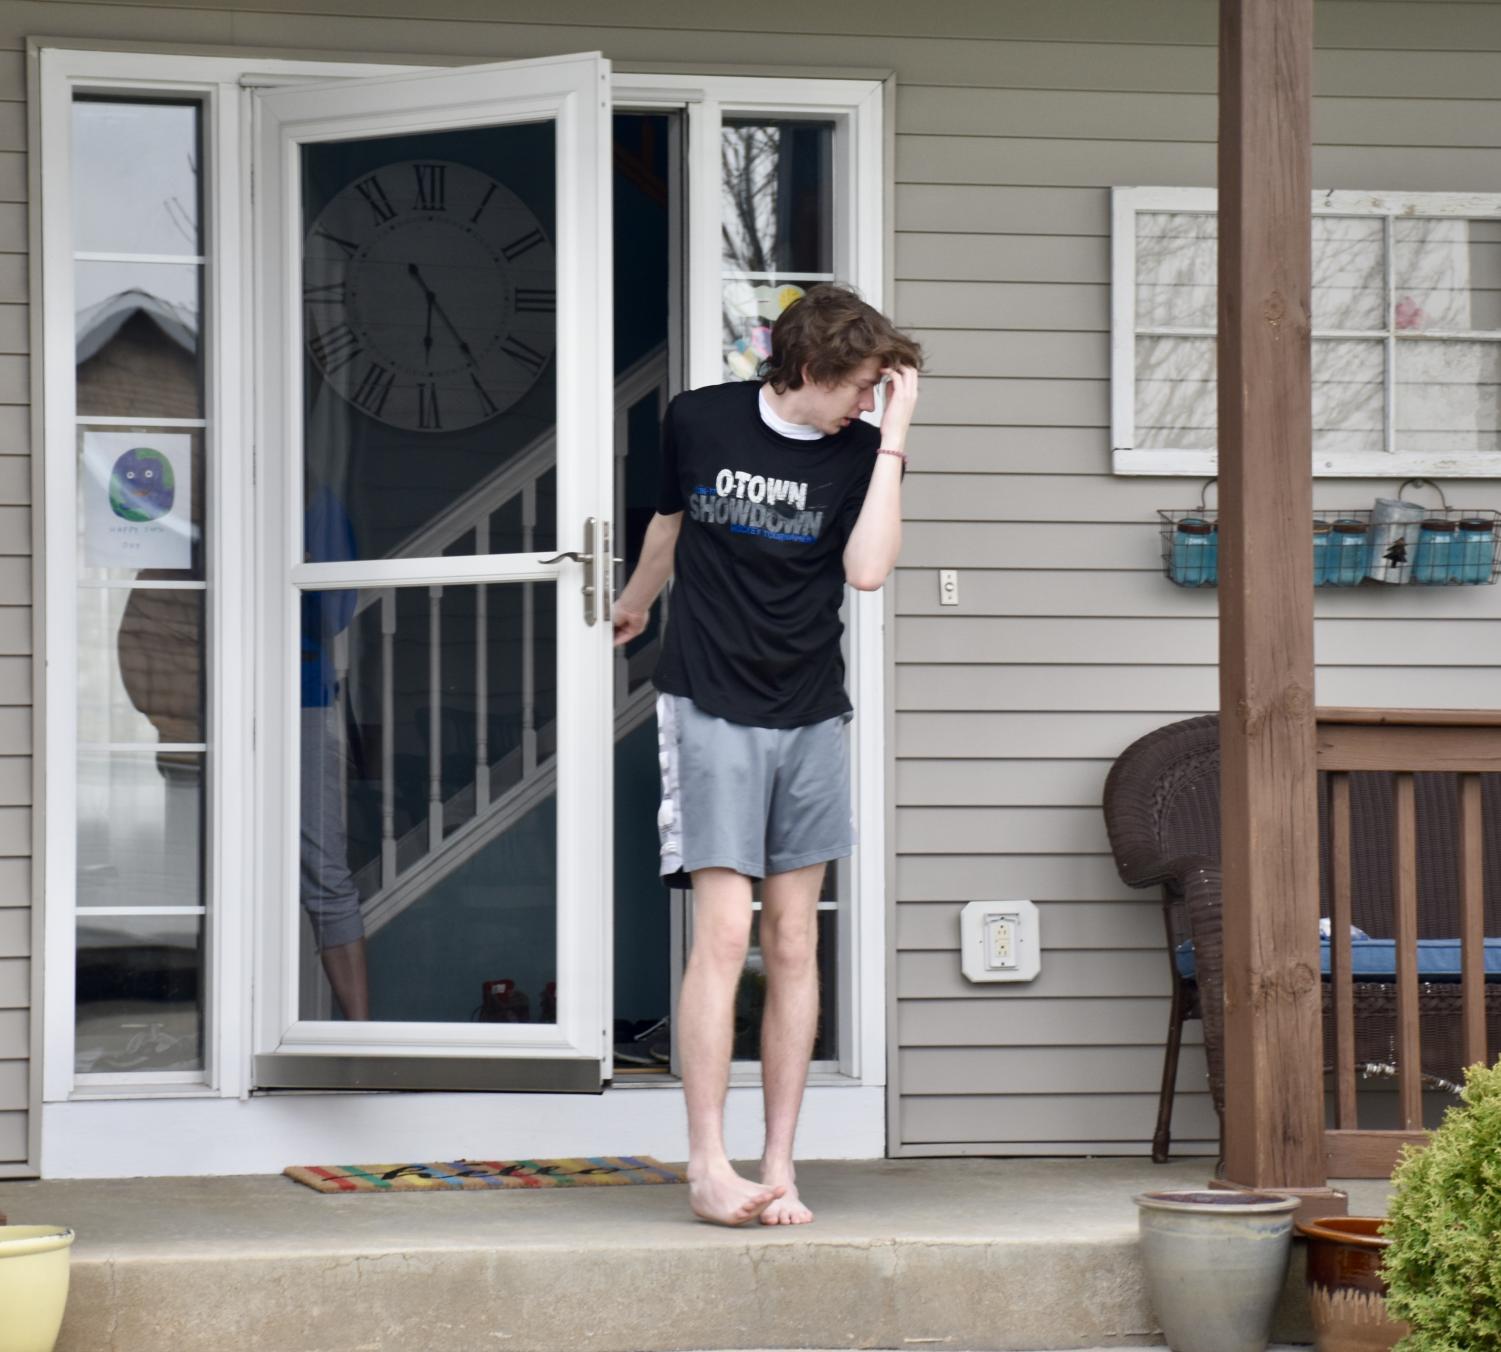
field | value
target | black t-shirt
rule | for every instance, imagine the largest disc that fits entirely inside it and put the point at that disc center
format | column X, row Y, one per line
column 759, row 569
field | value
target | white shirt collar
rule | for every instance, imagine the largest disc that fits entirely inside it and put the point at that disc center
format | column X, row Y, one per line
column 798, row 431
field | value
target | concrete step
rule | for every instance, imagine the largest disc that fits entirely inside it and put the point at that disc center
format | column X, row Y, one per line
column 911, row 1254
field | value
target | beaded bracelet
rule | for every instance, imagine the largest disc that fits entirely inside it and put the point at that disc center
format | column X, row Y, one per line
column 890, row 450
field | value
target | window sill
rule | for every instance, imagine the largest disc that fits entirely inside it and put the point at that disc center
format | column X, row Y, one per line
column 115, row 1092
column 1126, row 461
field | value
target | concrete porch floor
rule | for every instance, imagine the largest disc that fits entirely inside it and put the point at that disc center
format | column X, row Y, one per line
column 958, row 1254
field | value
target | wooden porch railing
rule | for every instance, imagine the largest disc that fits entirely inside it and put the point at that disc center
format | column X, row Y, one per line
column 1402, row 742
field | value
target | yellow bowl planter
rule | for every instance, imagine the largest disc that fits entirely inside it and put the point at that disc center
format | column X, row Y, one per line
column 33, row 1285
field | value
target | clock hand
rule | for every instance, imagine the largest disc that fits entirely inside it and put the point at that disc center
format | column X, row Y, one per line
column 434, row 307
column 432, row 300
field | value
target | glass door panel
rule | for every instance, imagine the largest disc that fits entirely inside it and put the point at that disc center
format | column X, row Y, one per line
column 428, row 748
column 429, row 297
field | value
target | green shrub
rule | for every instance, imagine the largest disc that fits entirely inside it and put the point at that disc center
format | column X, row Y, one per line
column 1443, row 1268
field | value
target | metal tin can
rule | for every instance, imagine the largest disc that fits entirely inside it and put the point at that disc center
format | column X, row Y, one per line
column 1395, row 527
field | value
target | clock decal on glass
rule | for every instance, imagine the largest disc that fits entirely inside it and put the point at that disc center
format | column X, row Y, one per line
column 429, row 295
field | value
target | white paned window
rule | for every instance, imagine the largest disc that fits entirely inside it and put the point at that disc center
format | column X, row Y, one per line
column 143, row 475
column 1406, row 313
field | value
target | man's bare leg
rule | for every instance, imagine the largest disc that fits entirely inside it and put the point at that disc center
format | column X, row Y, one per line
column 705, row 1029
column 789, row 947
column 344, row 965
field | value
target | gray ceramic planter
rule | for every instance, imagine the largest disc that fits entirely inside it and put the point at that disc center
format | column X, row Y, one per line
column 1216, row 1263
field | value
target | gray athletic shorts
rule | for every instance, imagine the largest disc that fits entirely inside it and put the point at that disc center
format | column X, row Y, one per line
column 756, row 800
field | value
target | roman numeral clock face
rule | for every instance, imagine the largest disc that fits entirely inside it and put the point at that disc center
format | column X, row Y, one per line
column 429, row 296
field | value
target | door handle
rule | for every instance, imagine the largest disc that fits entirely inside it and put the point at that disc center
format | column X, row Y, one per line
column 596, row 562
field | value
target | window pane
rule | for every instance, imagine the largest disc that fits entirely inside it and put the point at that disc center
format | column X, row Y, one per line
column 139, row 994
column 1349, row 273
column 750, row 999
column 1447, row 397
column 140, row 665
column 428, row 739
column 429, row 326
column 135, row 177
column 1175, row 270
column 777, row 183
column 1349, row 402
column 750, row 309
column 137, row 341
column 777, row 187
column 1175, row 393
column 1447, row 275
column 140, row 828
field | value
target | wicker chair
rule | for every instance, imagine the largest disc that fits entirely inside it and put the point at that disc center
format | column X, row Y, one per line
column 1163, row 816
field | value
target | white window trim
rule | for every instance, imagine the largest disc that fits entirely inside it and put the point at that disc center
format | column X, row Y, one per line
column 1127, row 458
column 233, row 869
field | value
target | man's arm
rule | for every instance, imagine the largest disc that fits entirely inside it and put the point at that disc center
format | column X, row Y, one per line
column 870, row 553
column 653, row 568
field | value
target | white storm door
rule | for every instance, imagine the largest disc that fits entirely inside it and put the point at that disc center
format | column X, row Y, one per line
column 434, row 470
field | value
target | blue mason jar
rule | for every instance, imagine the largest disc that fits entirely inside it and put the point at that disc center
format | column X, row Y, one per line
column 1474, row 555
column 1434, row 563
column 1348, row 550
column 1195, row 560
column 1321, row 552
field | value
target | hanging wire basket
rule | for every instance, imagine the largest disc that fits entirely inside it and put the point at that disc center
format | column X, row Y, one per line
column 1394, row 542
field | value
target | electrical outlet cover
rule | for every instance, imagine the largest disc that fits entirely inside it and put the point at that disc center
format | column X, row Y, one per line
column 988, row 952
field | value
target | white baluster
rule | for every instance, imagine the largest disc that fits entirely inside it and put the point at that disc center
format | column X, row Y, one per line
column 481, row 679
column 387, row 737
column 435, row 719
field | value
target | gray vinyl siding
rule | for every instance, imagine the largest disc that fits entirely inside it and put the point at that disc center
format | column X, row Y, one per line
column 1066, row 644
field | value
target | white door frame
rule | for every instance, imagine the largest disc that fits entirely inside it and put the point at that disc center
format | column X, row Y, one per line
column 77, row 1121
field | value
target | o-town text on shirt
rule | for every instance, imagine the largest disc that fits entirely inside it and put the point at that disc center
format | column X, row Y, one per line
column 738, row 483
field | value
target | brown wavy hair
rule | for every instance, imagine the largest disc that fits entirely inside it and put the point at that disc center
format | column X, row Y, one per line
column 829, row 332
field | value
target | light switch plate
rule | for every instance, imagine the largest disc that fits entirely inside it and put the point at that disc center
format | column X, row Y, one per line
column 1000, row 941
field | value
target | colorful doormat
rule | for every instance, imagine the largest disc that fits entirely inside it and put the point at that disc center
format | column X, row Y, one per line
column 612, row 1170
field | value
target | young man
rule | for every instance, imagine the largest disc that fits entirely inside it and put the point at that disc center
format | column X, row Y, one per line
column 773, row 496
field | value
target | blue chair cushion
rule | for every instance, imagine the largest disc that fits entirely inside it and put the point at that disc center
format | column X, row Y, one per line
column 1376, row 959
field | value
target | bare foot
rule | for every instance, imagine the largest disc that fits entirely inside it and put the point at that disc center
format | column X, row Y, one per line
column 724, row 1198
column 788, row 1209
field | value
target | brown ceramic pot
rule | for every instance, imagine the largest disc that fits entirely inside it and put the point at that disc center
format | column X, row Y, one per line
column 1346, row 1291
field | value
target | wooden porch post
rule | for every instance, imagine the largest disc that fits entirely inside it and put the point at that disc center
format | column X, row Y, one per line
column 1273, row 1131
